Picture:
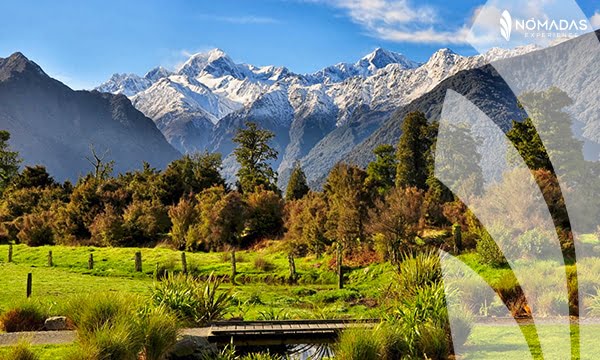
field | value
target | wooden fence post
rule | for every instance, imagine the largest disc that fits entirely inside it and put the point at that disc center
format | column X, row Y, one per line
column 292, row 268
column 138, row 261
column 29, row 280
column 340, row 269
column 457, row 234
column 50, row 263
column 183, row 263
column 91, row 262
column 233, row 266
column 10, row 252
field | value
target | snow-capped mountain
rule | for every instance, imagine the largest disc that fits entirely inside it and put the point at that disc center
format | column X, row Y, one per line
column 201, row 104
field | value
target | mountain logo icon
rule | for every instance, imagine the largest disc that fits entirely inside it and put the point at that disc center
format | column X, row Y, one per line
column 506, row 25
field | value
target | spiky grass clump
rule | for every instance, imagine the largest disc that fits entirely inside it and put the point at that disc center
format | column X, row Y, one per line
column 358, row 344
column 194, row 301
column 115, row 326
column 159, row 332
column 25, row 316
column 22, row 351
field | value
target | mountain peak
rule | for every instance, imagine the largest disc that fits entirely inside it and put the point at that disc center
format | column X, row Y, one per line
column 157, row 73
column 381, row 58
column 443, row 57
column 215, row 62
column 18, row 63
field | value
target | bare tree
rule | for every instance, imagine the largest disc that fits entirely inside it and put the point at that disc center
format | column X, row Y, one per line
column 102, row 168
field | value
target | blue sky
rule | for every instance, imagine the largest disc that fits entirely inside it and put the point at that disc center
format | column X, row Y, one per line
column 83, row 42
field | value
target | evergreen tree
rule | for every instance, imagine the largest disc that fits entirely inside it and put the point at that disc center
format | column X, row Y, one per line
column 33, row 176
column 526, row 140
column 382, row 172
column 297, row 186
column 9, row 160
column 412, row 153
column 190, row 175
column 349, row 198
column 253, row 154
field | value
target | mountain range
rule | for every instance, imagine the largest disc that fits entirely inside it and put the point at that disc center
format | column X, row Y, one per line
column 318, row 118
column 340, row 113
column 53, row 125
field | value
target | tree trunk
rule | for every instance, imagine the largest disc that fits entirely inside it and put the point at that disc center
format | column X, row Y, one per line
column 233, row 266
column 340, row 270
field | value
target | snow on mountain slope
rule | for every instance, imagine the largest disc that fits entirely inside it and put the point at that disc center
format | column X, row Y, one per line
column 126, row 84
column 210, row 87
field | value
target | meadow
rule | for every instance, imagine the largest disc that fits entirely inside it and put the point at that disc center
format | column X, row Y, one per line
column 261, row 290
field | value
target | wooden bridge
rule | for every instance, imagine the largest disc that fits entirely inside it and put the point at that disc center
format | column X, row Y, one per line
column 283, row 332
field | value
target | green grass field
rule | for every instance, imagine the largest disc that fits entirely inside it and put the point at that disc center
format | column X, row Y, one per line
column 259, row 293
column 45, row 352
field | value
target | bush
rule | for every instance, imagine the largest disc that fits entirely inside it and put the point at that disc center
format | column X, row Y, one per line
column 27, row 316
column 36, row 229
column 159, row 332
column 357, row 344
column 193, row 301
column 117, row 340
column 416, row 271
column 433, row 342
column 21, row 351
column 113, row 326
column 106, row 326
column 536, row 244
column 489, row 252
column 392, row 342
column 262, row 264
column 107, row 228
column 92, row 312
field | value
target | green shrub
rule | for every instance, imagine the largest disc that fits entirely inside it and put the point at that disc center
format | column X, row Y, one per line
column 178, row 293
column 117, row 340
column 21, row 351
column 36, row 229
column 433, row 342
column 536, row 244
column 419, row 270
column 95, row 311
column 159, row 332
column 392, row 342
column 25, row 316
column 191, row 299
column 462, row 325
column 116, row 327
column 357, row 344
column 489, row 252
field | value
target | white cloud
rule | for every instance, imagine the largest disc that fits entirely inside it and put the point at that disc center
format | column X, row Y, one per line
column 595, row 20
column 399, row 20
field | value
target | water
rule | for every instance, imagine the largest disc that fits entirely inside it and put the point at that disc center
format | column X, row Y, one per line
column 294, row 352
